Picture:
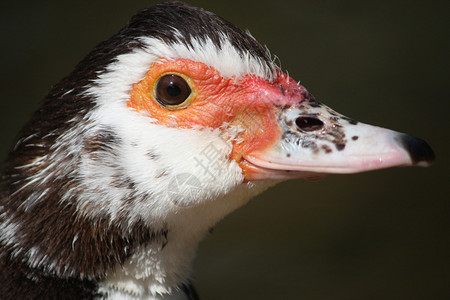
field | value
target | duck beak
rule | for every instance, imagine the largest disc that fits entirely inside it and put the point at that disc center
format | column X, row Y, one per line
column 314, row 140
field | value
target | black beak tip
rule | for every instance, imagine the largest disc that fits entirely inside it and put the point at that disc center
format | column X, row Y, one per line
column 420, row 152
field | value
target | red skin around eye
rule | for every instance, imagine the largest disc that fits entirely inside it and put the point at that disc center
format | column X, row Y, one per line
column 249, row 102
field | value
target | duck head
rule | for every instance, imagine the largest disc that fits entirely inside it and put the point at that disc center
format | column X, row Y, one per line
column 161, row 131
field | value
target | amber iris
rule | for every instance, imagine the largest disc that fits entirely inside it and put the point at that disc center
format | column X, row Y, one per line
column 172, row 90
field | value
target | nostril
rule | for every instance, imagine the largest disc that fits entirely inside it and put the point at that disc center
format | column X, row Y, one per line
column 308, row 123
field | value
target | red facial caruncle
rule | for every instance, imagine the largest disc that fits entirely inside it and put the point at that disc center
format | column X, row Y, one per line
column 249, row 102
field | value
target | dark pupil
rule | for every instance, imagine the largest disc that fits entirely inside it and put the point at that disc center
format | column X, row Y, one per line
column 172, row 90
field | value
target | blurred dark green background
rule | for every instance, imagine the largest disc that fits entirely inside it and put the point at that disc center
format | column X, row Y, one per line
column 379, row 235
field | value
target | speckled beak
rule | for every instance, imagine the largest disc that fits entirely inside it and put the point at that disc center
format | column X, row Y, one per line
column 317, row 140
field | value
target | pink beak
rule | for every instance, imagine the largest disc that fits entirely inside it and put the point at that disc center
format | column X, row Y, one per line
column 316, row 140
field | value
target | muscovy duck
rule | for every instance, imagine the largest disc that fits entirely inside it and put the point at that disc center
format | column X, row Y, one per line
column 162, row 130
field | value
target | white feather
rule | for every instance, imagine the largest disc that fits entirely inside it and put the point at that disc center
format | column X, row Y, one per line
column 153, row 271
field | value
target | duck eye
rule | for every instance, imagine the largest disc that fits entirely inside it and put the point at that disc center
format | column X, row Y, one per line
column 172, row 90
